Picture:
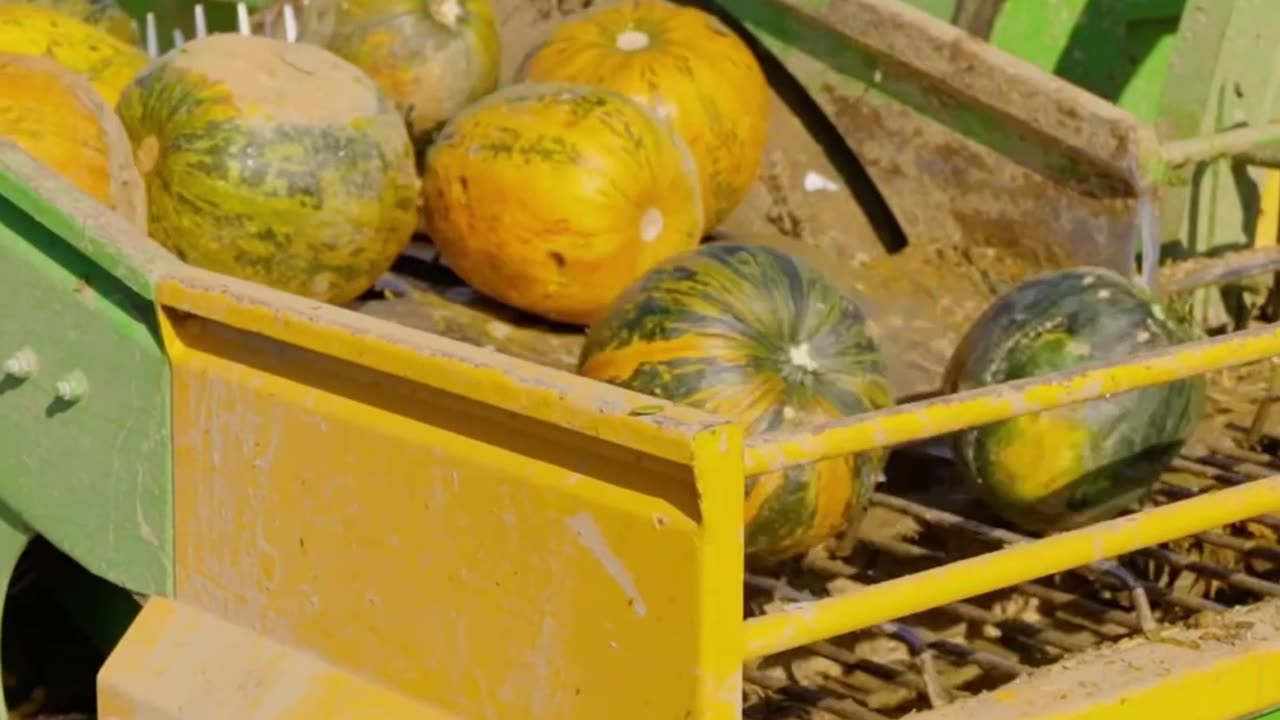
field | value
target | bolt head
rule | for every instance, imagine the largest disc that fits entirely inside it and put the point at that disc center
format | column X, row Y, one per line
column 22, row 364
column 72, row 388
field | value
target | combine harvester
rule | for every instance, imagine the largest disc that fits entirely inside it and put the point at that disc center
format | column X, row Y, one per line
column 410, row 508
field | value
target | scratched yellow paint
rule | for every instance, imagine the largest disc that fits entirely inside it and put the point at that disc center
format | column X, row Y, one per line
column 497, row 560
column 179, row 663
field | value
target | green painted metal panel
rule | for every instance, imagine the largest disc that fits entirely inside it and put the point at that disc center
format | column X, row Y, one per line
column 85, row 458
column 941, row 9
column 1223, row 77
column 1117, row 49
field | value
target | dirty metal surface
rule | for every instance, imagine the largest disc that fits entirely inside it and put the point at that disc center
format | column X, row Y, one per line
column 967, row 144
column 924, row 518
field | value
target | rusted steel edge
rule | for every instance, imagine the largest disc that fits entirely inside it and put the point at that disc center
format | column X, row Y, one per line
column 1057, row 114
column 931, row 418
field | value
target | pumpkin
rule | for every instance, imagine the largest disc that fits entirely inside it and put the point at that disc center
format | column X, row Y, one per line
column 105, row 15
column 108, row 63
column 1066, row 467
column 684, row 65
column 433, row 57
column 752, row 334
column 552, row 198
column 274, row 162
column 56, row 117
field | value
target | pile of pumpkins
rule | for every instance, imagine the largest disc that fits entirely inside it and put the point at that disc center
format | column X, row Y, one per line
column 580, row 193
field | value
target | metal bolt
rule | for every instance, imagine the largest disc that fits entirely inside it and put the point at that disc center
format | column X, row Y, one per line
column 72, row 387
column 22, row 364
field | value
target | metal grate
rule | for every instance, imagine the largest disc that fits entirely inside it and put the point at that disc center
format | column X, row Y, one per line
column 934, row 658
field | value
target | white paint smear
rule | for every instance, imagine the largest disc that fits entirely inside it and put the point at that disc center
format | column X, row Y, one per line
column 588, row 533
column 814, row 182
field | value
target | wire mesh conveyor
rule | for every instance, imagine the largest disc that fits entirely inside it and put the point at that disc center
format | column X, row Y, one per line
column 931, row 659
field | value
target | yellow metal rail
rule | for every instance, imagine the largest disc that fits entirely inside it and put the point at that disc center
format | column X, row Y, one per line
column 811, row 622
column 930, row 418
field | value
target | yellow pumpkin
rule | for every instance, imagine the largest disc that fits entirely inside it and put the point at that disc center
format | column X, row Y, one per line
column 553, row 198
column 433, row 57
column 56, row 117
column 105, row 15
column 686, row 66
column 109, row 63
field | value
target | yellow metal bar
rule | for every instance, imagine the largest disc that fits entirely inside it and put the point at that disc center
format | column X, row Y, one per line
column 810, row 622
column 719, row 595
column 920, row 420
column 452, row 549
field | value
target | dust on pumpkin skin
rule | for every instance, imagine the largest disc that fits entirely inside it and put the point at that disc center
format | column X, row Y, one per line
column 552, row 198
column 688, row 68
column 311, row 189
column 433, row 58
column 55, row 116
column 108, row 63
column 748, row 334
column 1057, row 469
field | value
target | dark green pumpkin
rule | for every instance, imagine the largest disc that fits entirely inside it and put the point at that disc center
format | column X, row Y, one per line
column 750, row 333
column 1067, row 467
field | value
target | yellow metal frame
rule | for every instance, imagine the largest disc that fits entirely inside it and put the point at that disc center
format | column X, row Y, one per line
column 490, row 535
column 500, row 539
column 366, row 511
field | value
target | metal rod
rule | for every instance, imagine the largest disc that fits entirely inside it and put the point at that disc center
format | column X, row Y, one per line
column 917, row 421
column 1257, row 145
column 1187, row 275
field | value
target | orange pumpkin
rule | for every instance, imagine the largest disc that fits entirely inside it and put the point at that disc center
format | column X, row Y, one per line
column 553, row 198
column 57, row 117
column 686, row 66
column 109, row 63
column 432, row 57
column 106, row 15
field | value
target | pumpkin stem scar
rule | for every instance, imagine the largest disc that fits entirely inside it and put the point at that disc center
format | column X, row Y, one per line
column 147, row 154
column 801, row 357
column 632, row 40
column 446, row 12
column 651, row 224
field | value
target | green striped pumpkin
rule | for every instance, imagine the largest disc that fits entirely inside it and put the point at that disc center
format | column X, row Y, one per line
column 1067, row 467
column 275, row 162
column 750, row 333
